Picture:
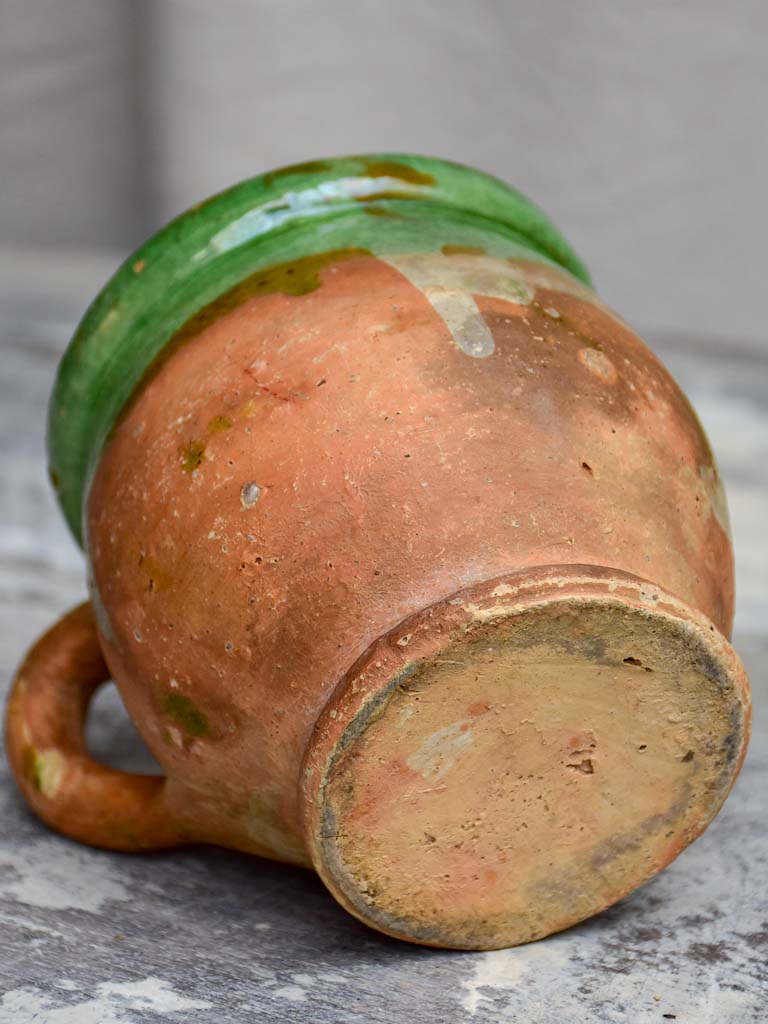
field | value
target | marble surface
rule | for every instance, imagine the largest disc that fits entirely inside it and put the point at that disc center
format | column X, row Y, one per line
column 205, row 935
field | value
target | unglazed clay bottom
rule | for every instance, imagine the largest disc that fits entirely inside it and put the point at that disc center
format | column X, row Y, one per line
column 538, row 753
column 410, row 561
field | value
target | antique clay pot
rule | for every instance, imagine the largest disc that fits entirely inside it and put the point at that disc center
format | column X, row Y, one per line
column 410, row 561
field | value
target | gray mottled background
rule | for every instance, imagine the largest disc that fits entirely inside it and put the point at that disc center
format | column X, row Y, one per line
column 641, row 127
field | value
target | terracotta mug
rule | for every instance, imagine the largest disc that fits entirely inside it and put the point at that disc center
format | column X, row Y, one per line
column 410, row 561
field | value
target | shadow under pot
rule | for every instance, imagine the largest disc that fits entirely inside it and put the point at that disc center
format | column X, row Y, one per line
column 410, row 561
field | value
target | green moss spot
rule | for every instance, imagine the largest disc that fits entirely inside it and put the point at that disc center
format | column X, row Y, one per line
column 185, row 714
column 191, row 455
column 390, row 169
column 375, row 196
column 382, row 211
column 43, row 769
column 219, row 423
column 463, row 251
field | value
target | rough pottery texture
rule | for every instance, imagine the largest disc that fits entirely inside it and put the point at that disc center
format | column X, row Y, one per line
column 409, row 559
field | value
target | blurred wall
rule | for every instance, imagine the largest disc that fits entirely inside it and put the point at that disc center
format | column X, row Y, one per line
column 640, row 127
column 73, row 161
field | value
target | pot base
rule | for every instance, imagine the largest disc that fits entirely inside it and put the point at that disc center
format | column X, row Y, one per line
column 521, row 756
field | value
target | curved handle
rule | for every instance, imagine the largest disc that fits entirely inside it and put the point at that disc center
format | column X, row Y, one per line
column 44, row 732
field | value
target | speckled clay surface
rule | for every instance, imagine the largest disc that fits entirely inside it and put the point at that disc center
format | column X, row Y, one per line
column 206, row 935
column 389, row 444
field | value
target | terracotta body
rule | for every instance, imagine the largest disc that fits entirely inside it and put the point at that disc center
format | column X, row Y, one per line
column 418, row 573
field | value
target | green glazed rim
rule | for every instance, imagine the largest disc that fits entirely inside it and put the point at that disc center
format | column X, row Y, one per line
column 386, row 202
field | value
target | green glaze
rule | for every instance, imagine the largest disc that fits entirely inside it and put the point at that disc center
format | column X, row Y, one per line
column 380, row 203
column 189, row 717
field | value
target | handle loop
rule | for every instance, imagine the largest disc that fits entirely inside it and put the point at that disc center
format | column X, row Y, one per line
column 45, row 741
